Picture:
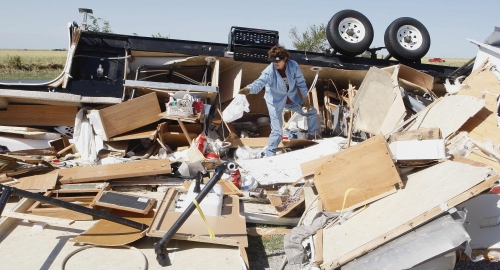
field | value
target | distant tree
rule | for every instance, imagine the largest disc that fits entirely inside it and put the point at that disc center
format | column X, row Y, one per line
column 312, row 40
column 96, row 27
column 159, row 36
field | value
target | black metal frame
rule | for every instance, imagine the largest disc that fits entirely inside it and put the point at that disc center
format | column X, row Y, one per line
column 8, row 191
column 160, row 246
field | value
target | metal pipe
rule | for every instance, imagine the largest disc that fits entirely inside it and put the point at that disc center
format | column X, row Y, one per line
column 7, row 191
column 160, row 246
column 3, row 199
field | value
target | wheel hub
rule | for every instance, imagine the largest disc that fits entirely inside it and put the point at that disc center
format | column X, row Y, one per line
column 409, row 37
column 352, row 30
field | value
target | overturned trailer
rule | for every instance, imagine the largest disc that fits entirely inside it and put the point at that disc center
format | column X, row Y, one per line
column 110, row 68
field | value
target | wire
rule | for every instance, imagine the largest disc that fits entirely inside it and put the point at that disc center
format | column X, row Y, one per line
column 145, row 260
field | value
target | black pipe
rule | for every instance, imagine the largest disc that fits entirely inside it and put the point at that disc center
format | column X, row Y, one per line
column 3, row 199
column 7, row 191
column 197, row 183
column 160, row 246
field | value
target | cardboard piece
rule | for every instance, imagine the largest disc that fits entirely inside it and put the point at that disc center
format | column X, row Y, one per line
column 349, row 170
column 418, row 134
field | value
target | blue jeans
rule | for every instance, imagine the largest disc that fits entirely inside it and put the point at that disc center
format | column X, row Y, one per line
column 275, row 114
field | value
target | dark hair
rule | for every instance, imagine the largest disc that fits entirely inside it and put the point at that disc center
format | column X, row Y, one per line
column 279, row 51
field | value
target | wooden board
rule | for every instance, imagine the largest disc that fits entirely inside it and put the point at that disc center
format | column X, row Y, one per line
column 114, row 171
column 122, row 201
column 255, row 231
column 140, row 133
column 38, row 115
column 427, row 194
column 6, row 222
column 448, row 113
column 41, row 182
column 108, row 233
column 48, row 220
column 229, row 229
column 129, row 115
column 366, row 167
column 230, row 82
column 83, row 198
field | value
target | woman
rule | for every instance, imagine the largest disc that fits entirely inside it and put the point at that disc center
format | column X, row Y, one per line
column 281, row 80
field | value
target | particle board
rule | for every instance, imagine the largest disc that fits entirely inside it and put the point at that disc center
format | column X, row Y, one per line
column 366, row 167
column 449, row 113
column 41, row 182
column 114, row 171
column 38, row 115
column 229, row 229
column 427, row 194
column 108, row 233
column 129, row 115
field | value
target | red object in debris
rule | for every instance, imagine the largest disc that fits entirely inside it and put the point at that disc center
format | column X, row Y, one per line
column 236, row 177
column 198, row 107
column 496, row 190
column 437, row 60
column 211, row 155
column 200, row 142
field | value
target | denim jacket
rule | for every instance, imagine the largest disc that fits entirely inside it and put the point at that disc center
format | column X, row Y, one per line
column 276, row 91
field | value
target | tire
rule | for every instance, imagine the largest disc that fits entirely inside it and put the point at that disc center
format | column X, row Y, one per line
column 353, row 42
column 407, row 39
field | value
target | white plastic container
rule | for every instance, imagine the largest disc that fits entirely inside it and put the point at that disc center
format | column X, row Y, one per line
column 211, row 205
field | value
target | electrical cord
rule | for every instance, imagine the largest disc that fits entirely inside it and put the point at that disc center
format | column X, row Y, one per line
column 145, row 260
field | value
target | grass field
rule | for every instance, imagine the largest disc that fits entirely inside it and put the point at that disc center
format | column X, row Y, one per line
column 31, row 64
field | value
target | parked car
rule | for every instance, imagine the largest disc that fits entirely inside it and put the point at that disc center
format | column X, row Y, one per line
column 436, row 60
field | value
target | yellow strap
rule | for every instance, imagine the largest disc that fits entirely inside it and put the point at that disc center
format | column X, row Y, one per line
column 345, row 198
column 212, row 235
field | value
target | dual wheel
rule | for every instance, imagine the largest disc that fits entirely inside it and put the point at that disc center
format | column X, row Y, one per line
column 351, row 33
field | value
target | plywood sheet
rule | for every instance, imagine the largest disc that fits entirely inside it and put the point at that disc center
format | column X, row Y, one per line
column 448, row 113
column 285, row 168
column 421, row 200
column 229, row 229
column 42, row 182
column 114, row 171
column 230, row 82
column 366, row 167
column 108, row 233
column 129, row 115
column 38, row 115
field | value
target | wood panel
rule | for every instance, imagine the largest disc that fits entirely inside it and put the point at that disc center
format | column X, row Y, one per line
column 114, row 171
column 427, row 194
column 366, row 167
column 229, row 229
column 122, row 201
column 48, row 210
column 41, row 182
column 108, row 233
column 38, row 115
column 129, row 115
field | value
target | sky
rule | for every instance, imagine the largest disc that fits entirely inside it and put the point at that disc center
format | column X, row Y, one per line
column 37, row 24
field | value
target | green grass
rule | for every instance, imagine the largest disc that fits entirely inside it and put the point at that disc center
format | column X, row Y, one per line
column 31, row 64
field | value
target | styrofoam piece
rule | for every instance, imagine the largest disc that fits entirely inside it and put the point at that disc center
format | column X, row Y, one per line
column 416, row 150
column 16, row 144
